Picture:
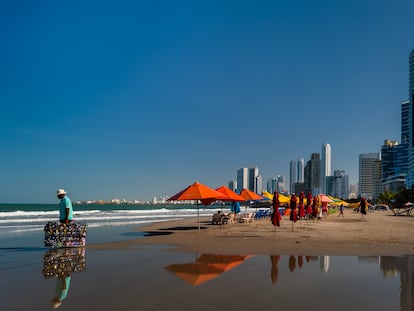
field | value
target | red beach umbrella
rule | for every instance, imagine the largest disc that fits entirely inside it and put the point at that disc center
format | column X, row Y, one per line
column 301, row 207
column 309, row 203
column 315, row 206
column 276, row 215
column 293, row 212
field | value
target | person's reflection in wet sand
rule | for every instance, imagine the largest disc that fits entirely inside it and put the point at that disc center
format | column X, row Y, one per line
column 61, row 264
column 61, row 291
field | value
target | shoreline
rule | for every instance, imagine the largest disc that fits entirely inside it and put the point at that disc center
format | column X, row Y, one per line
column 379, row 234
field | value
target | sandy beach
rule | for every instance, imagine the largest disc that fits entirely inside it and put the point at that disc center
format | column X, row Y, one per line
column 378, row 234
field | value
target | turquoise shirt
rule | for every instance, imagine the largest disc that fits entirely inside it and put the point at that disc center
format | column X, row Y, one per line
column 64, row 204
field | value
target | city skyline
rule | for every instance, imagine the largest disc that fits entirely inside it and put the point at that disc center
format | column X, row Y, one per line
column 136, row 100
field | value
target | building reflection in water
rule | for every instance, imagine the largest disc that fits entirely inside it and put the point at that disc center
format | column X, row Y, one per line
column 394, row 266
column 61, row 264
column 324, row 263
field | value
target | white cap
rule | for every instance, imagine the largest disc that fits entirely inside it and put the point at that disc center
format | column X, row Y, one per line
column 60, row 191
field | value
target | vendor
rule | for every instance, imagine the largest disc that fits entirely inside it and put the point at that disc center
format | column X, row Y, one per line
column 65, row 207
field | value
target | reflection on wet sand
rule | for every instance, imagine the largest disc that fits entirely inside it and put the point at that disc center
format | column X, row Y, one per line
column 394, row 266
column 61, row 264
column 205, row 267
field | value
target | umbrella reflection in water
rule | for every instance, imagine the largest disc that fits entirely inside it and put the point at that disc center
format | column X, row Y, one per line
column 206, row 268
column 274, row 272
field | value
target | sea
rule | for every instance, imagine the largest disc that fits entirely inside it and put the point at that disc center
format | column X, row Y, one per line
column 24, row 223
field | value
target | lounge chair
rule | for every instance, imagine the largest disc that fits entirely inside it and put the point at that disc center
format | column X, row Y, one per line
column 248, row 218
column 217, row 219
column 231, row 218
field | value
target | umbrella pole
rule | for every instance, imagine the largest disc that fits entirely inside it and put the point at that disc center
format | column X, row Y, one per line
column 198, row 218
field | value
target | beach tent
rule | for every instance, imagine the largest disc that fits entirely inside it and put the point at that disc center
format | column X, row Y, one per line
column 267, row 195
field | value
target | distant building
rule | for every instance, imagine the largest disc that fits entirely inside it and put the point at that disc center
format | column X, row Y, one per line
column 301, row 170
column 410, row 135
column 353, row 191
column 293, row 176
column 280, row 184
column 271, row 185
column 368, row 175
column 394, row 166
column 233, row 185
column 338, row 185
column 312, row 178
column 249, row 178
column 325, row 166
column 297, row 170
column 258, row 184
column 242, row 179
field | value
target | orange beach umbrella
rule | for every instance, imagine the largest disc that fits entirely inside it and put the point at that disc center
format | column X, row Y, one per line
column 250, row 195
column 198, row 191
column 230, row 194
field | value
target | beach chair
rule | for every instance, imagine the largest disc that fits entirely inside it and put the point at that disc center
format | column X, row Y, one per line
column 249, row 217
column 217, row 218
column 231, row 218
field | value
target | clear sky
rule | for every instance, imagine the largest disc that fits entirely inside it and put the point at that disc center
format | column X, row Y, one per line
column 136, row 99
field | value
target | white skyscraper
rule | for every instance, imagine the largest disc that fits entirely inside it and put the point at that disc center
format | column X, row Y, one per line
column 301, row 169
column 325, row 165
column 293, row 176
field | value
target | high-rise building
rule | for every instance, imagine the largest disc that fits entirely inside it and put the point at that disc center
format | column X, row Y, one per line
column 271, row 185
column 249, row 178
column 301, row 170
column 280, row 184
column 368, row 174
column 410, row 175
column 325, row 165
column 312, row 175
column 242, row 179
column 233, row 185
column 394, row 166
column 341, row 185
column 258, row 184
column 293, row 176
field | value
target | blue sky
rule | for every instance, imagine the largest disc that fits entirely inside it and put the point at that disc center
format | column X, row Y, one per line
column 134, row 99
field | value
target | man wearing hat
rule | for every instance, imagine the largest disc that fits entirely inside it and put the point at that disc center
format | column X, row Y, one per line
column 65, row 207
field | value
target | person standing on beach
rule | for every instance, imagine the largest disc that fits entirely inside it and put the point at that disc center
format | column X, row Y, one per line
column 65, row 207
column 341, row 210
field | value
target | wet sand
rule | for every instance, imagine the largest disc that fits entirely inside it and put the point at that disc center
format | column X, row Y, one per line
column 377, row 234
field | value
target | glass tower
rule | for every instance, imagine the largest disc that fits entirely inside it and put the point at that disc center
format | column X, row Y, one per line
column 410, row 177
